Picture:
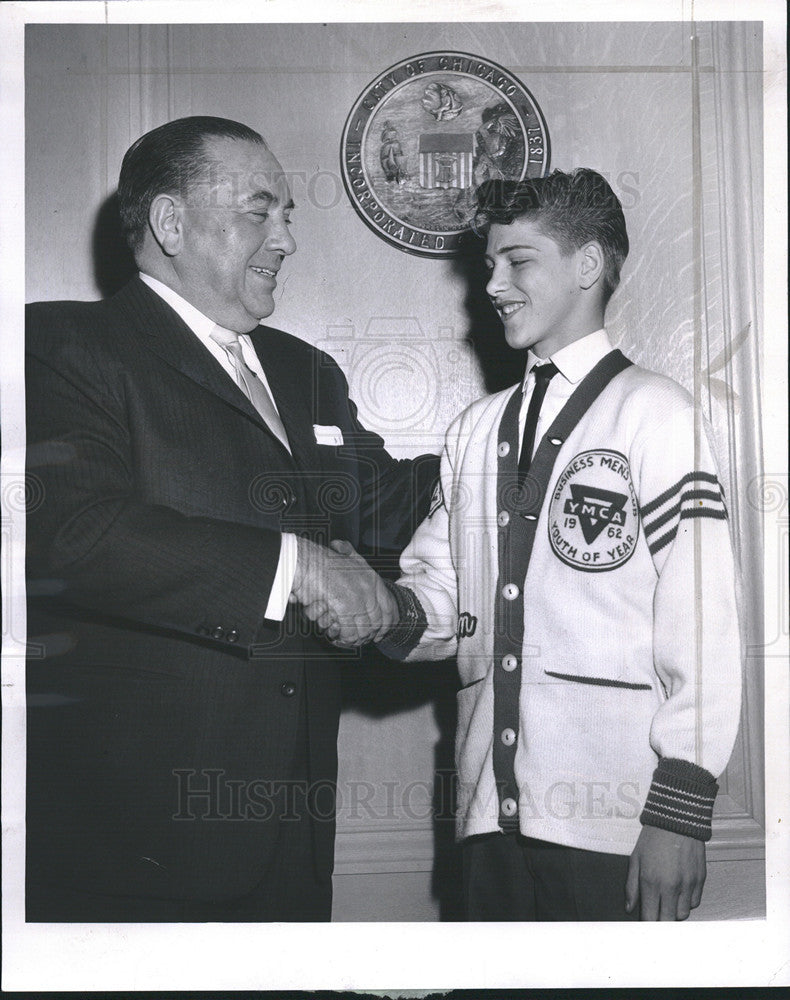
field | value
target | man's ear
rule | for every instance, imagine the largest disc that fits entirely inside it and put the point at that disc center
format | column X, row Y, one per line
column 165, row 218
column 591, row 264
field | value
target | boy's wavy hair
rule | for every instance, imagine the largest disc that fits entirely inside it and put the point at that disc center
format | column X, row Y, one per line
column 570, row 208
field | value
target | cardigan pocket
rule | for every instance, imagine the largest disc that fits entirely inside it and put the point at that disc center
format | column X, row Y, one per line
column 598, row 681
column 471, row 684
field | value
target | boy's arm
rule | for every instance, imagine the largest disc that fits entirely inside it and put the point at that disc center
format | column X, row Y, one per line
column 697, row 655
column 427, row 590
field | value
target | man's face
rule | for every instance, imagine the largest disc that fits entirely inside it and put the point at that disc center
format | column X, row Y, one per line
column 235, row 235
column 535, row 288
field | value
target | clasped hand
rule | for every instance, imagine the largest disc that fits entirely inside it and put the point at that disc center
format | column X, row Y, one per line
column 339, row 591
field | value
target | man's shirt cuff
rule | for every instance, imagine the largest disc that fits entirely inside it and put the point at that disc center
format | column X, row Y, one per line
column 283, row 579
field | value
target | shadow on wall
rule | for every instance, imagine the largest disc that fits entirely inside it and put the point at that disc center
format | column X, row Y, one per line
column 377, row 688
column 500, row 365
column 113, row 264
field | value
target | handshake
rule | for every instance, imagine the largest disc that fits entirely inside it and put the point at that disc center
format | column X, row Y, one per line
column 339, row 591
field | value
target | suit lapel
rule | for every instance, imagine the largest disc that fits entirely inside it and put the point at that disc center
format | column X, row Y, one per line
column 168, row 336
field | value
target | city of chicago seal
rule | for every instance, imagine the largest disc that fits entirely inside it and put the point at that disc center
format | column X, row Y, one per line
column 425, row 134
column 594, row 515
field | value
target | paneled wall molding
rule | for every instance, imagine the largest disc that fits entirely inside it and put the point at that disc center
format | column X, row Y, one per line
column 158, row 73
column 375, row 851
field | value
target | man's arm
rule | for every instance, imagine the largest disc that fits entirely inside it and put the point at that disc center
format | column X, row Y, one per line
column 336, row 588
column 416, row 617
column 95, row 542
column 394, row 493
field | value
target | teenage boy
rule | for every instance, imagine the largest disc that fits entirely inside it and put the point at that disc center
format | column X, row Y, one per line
column 577, row 560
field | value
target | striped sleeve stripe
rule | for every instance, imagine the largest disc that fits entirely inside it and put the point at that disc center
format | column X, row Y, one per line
column 690, row 477
column 659, row 522
column 659, row 543
column 667, row 516
column 669, row 791
column 661, row 815
column 663, row 541
column 695, row 502
column 680, row 799
column 717, row 515
column 702, row 495
column 667, row 805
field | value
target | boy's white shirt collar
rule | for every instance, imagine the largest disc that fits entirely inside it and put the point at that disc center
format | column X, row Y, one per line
column 574, row 360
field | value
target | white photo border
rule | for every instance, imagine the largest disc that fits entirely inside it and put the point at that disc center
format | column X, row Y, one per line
column 382, row 956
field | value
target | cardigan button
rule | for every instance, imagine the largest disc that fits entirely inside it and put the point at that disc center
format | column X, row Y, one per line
column 510, row 591
column 503, row 449
column 503, row 519
column 509, row 662
column 508, row 737
column 508, row 807
column 232, row 636
column 218, row 632
column 288, row 690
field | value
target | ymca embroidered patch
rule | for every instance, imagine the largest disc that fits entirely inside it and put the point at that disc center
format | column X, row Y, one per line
column 593, row 513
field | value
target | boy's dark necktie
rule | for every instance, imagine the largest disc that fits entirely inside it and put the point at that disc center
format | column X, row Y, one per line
column 543, row 375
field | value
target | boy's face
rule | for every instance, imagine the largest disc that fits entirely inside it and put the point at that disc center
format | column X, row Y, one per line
column 536, row 289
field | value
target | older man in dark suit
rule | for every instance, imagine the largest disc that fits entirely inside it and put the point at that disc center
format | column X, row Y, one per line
column 182, row 713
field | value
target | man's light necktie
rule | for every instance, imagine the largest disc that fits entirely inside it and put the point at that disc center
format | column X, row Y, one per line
column 250, row 384
column 543, row 375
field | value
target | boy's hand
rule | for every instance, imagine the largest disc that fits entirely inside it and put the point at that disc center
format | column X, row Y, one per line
column 666, row 875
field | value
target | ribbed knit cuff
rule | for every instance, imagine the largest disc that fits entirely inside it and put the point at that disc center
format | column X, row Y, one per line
column 405, row 636
column 681, row 799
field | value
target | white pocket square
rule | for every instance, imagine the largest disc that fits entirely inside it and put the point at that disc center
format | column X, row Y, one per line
column 327, row 434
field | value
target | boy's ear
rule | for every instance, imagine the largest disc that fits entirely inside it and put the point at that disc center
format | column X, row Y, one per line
column 591, row 264
column 166, row 222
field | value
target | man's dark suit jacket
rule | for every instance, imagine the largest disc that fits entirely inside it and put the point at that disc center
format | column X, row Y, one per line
column 151, row 557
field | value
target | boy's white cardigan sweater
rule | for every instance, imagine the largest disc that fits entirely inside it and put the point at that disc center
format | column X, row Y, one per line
column 629, row 673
